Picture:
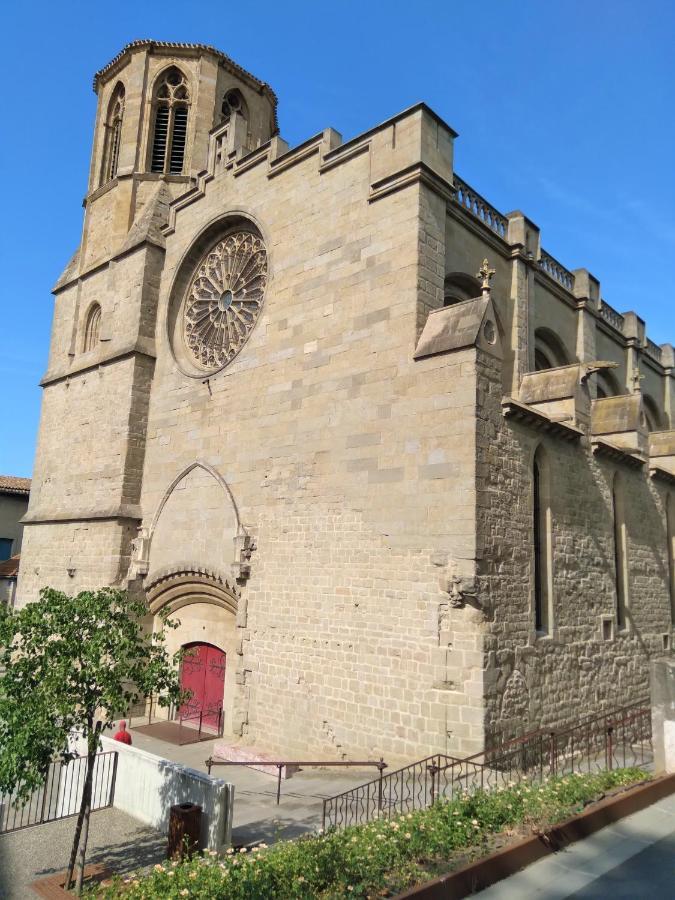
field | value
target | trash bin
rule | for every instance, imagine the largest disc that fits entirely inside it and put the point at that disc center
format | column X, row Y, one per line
column 185, row 821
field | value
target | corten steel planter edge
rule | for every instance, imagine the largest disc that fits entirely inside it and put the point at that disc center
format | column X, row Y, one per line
column 493, row 868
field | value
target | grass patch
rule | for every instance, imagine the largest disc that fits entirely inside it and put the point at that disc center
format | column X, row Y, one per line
column 381, row 858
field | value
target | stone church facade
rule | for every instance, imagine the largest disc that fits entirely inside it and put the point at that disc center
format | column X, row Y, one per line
column 411, row 478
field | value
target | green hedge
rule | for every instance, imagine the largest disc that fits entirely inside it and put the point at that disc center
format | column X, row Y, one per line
column 374, row 860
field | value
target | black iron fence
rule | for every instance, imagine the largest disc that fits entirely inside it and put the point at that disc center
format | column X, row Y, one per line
column 61, row 793
column 613, row 740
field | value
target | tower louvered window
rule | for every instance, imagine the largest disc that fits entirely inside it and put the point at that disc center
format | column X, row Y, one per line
column 169, row 138
column 113, row 135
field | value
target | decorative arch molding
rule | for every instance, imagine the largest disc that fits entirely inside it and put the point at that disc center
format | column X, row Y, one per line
column 185, row 584
column 460, row 286
column 197, row 464
column 549, row 350
column 143, row 561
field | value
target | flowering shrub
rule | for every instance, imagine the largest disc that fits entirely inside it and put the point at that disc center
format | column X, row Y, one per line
column 377, row 859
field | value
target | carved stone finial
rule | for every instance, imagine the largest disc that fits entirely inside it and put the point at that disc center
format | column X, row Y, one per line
column 485, row 274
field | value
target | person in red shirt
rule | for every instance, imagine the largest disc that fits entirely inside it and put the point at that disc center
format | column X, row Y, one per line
column 123, row 735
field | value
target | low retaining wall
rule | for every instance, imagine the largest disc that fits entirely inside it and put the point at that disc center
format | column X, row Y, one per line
column 147, row 786
column 491, row 869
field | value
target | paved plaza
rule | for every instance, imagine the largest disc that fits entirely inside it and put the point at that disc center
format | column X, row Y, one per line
column 114, row 838
column 256, row 814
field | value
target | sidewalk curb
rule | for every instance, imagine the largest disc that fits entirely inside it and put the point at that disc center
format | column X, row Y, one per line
column 488, row 871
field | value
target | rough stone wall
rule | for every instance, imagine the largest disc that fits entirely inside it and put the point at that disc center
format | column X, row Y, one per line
column 536, row 681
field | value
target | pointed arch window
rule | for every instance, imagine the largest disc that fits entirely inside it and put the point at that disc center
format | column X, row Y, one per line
column 169, row 137
column 620, row 553
column 233, row 102
column 92, row 330
column 542, row 544
column 113, row 135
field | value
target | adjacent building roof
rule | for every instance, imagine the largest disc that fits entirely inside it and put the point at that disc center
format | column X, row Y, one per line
column 11, row 484
column 9, row 568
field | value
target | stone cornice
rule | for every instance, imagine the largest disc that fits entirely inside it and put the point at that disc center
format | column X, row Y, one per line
column 418, row 173
column 521, row 412
column 601, row 447
column 125, row 511
column 660, row 474
column 142, row 347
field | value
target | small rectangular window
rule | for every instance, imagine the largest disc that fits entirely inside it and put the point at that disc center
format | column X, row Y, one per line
column 5, row 548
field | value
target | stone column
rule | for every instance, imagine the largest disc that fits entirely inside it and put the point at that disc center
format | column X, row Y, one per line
column 663, row 714
column 523, row 235
column 634, row 332
column 587, row 293
column 668, row 362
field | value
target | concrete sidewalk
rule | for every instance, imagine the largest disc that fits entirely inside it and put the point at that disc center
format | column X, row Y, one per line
column 630, row 860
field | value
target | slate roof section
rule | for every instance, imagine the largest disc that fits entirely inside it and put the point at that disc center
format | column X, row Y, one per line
column 11, row 484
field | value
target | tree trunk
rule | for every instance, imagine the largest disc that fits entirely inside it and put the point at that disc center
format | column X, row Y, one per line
column 85, row 810
column 86, row 797
column 85, row 803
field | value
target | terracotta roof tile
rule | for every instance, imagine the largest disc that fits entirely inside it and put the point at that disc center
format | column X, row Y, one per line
column 10, row 484
column 10, row 567
column 170, row 45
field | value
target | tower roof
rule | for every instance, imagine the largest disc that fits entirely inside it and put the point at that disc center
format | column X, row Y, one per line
column 229, row 63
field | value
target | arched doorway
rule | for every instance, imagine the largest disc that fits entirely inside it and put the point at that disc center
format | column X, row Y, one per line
column 203, row 674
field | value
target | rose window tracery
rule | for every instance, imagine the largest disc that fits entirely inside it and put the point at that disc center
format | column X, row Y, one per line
column 225, row 298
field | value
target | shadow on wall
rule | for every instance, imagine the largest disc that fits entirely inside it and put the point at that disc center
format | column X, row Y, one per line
column 147, row 786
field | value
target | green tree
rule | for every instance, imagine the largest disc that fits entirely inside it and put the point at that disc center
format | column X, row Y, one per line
column 68, row 666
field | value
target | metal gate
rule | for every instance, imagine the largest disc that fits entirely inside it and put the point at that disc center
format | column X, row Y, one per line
column 61, row 794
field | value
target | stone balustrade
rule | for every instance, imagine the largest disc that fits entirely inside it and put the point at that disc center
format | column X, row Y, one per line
column 653, row 350
column 556, row 271
column 478, row 206
column 611, row 316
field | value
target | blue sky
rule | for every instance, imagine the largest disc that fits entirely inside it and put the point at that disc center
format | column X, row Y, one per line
column 565, row 109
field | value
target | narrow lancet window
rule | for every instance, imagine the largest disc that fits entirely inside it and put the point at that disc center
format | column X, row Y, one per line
column 92, row 331
column 113, row 135
column 620, row 555
column 169, row 138
column 542, row 544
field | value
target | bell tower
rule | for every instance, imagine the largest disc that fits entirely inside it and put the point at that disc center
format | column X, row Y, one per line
column 157, row 104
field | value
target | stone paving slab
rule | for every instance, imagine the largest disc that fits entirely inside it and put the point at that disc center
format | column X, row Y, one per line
column 115, row 839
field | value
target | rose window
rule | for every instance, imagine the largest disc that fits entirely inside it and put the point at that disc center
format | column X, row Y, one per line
column 225, row 298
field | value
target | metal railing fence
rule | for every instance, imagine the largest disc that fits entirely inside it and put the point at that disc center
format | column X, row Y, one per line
column 612, row 740
column 61, row 793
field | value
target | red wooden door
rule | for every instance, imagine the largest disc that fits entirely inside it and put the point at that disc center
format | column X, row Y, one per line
column 214, row 683
column 203, row 673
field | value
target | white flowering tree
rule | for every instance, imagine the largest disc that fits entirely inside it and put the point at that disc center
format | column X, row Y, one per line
column 73, row 665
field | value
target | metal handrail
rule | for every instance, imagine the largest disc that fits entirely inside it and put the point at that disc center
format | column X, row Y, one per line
column 620, row 734
column 215, row 761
